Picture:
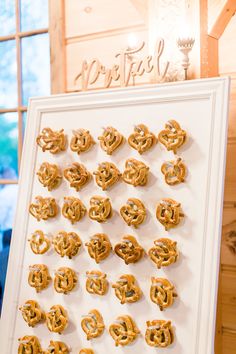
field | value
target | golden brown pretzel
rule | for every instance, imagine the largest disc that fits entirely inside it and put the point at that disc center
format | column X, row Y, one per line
column 164, row 252
column 57, row 319
column 43, row 208
column 135, row 173
column 96, row 282
column 127, row 289
column 92, row 324
column 39, row 242
column 56, row 347
column 174, row 171
column 65, row 280
column 169, row 213
column 100, row 208
column 99, row 247
column 110, row 140
column 142, row 139
column 162, row 292
column 106, row 175
column 129, row 249
column 39, row 277
column 124, row 331
column 81, row 141
column 173, row 137
column 67, row 243
column 133, row 212
column 86, row 351
column 32, row 313
column 77, row 175
column 29, row 345
column 159, row 333
column 53, row 141
column 49, row 175
column 73, row 209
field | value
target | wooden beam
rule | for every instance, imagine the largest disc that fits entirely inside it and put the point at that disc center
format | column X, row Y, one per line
column 213, row 56
column 223, row 19
column 142, row 8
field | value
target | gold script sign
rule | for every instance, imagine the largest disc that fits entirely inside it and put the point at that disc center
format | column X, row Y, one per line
column 128, row 67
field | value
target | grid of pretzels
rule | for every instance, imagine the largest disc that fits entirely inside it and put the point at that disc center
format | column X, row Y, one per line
column 124, row 330
column 100, row 208
column 172, row 137
column 142, row 139
column 106, row 175
column 73, row 209
column 57, row 347
column 159, row 333
column 92, row 324
column 52, row 141
column 133, row 212
column 127, row 289
column 49, row 175
column 32, row 313
column 77, row 175
column 43, row 208
column 99, row 247
column 164, row 252
column 57, row 319
column 67, row 244
column 29, row 345
column 39, row 277
column 110, row 140
column 135, row 173
column 162, row 292
column 65, row 280
column 174, row 171
column 169, row 213
column 39, row 242
column 129, row 249
column 96, row 282
column 81, row 141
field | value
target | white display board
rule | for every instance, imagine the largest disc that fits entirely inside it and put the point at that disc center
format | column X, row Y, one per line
column 200, row 107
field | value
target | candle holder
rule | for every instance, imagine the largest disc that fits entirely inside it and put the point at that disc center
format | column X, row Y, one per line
column 185, row 45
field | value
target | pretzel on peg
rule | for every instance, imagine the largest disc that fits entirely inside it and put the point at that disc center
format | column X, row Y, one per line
column 43, row 208
column 142, row 139
column 172, row 137
column 127, row 289
column 67, row 244
column 133, row 212
column 29, row 345
column 57, row 319
column 65, row 280
column 49, row 176
column 39, row 242
column 100, row 208
column 39, row 277
column 135, row 173
column 96, row 282
column 86, row 351
column 57, row 347
column 106, row 175
column 99, row 247
column 129, row 249
column 164, row 252
column 174, row 171
column 92, row 324
column 169, row 213
column 110, row 140
column 73, row 209
column 53, row 141
column 77, row 175
column 159, row 333
column 32, row 313
column 124, row 330
column 81, row 141
column 162, row 292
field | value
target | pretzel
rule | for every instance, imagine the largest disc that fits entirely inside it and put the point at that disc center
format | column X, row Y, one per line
column 86, row 351
column 57, row 319
column 164, row 252
column 159, row 333
column 110, row 140
column 141, row 139
column 172, row 137
column 32, row 313
column 133, row 212
column 169, row 213
column 81, row 141
column 67, row 243
column 56, row 347
column 124, row 330
column 100, row 208
column 92, row 324
column 53, row 141
column 65, row 280
column 96, row 282
column 106, row 175
column 99, row 247
column 29, row 345
column 39, row 277
column 174, row 171
column 126, row 289
column 129, row 249
column 77, row 175
column 39, row 242
column 43, row 208
column 162, row 292
column 49, row 175
column 136, row 173
column 73, row 209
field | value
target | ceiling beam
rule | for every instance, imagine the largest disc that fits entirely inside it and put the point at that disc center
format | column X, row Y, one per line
column 223, row 19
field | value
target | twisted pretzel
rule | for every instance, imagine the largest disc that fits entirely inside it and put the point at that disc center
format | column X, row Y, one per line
column 29, row 345
column 99, row 247
column 49, row 175
column 56, row 347
column 127, row 289
column 53, row 141
column 57, row 319
column 174, row 171
column 164, row 252
column 32, row 313
column 39, row 243
column 67, row 244
column 169, row 213
column 133, row 212
column 81, row 141
column 86, row 351
column 106, row 175
column 77, row 175
column 124, row 331
column 162, row 292
column 65, row 280
column 73, row 209
column 141, row 139
column 100, row 208
column 159, row 333
column 92, row 324
column 39, row 277
column 129, row 249
column 172, row 137
column 136, row 173
column 96, row 282
column 110, row 140
column 43, row 208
